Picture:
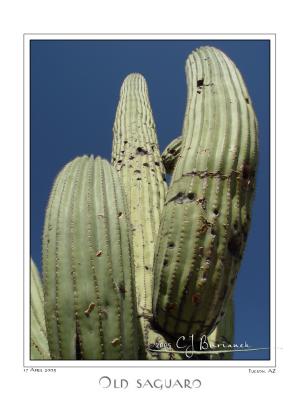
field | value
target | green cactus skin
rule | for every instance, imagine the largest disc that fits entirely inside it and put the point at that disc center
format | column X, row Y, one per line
column 90, row 303
column 39, row 349
column 137, row 159
column 223, row 333
column 206, row 216
column 171, row 154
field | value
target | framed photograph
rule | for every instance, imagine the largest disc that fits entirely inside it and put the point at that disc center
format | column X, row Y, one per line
column 149, row 201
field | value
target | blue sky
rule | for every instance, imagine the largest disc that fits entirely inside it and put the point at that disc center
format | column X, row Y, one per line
column 74, row 94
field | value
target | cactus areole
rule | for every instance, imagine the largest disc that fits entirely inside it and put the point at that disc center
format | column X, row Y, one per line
column 205, row 220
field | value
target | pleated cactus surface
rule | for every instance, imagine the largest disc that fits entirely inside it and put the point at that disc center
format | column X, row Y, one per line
column 39, row 349
column 90, row 304
column 137, row 159
column 206, row 216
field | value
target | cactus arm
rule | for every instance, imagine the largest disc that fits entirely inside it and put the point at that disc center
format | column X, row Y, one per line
column 171, row 154
column 87, row 259
column 137, row 159
column 206, row 217
column 39, row 349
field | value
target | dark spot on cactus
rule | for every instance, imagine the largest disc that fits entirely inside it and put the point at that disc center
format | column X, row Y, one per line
column 119, row 161
column 141, row 152
column 122, row 151
column 192, row 173
column 191, row 196
column 202, row 201
column 181, row 198
column 137, row 171
column 114, row 159
column 121, row 288
column 196, row 298
column 213, row 231
column 247, row 173
column 99, row 253
column 156, row 163
column 216, row 211
column 165, row 262
column 247, row 100
column 153, row 147
column 171, row 245
column 170, row 306
column 131, row 157
column 89, row 309
column 146, row 164
column 200, row 83
column 138, row 179
column 125, row 141
column 146, row 268
column 202, row 229
column 164, row 178
column 234, row 245
column 120, row 214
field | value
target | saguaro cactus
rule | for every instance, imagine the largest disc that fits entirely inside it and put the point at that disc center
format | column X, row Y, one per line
column 206, row 216
column 128, row 269
column 137, row 159
column 39, row 349
column 90, row 304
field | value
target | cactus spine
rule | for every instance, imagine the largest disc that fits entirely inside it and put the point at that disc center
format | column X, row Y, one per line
column 171, row 154
column 206, row 217
column 90, row 304
column 39, row 349
column 137, row 159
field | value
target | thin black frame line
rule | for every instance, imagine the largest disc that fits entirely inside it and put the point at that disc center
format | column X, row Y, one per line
column 275, row 188
column 152, row 34
column 162, row 366
column 23, row 189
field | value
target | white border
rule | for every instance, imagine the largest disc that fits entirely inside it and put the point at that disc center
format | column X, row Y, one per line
column 26, row 251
